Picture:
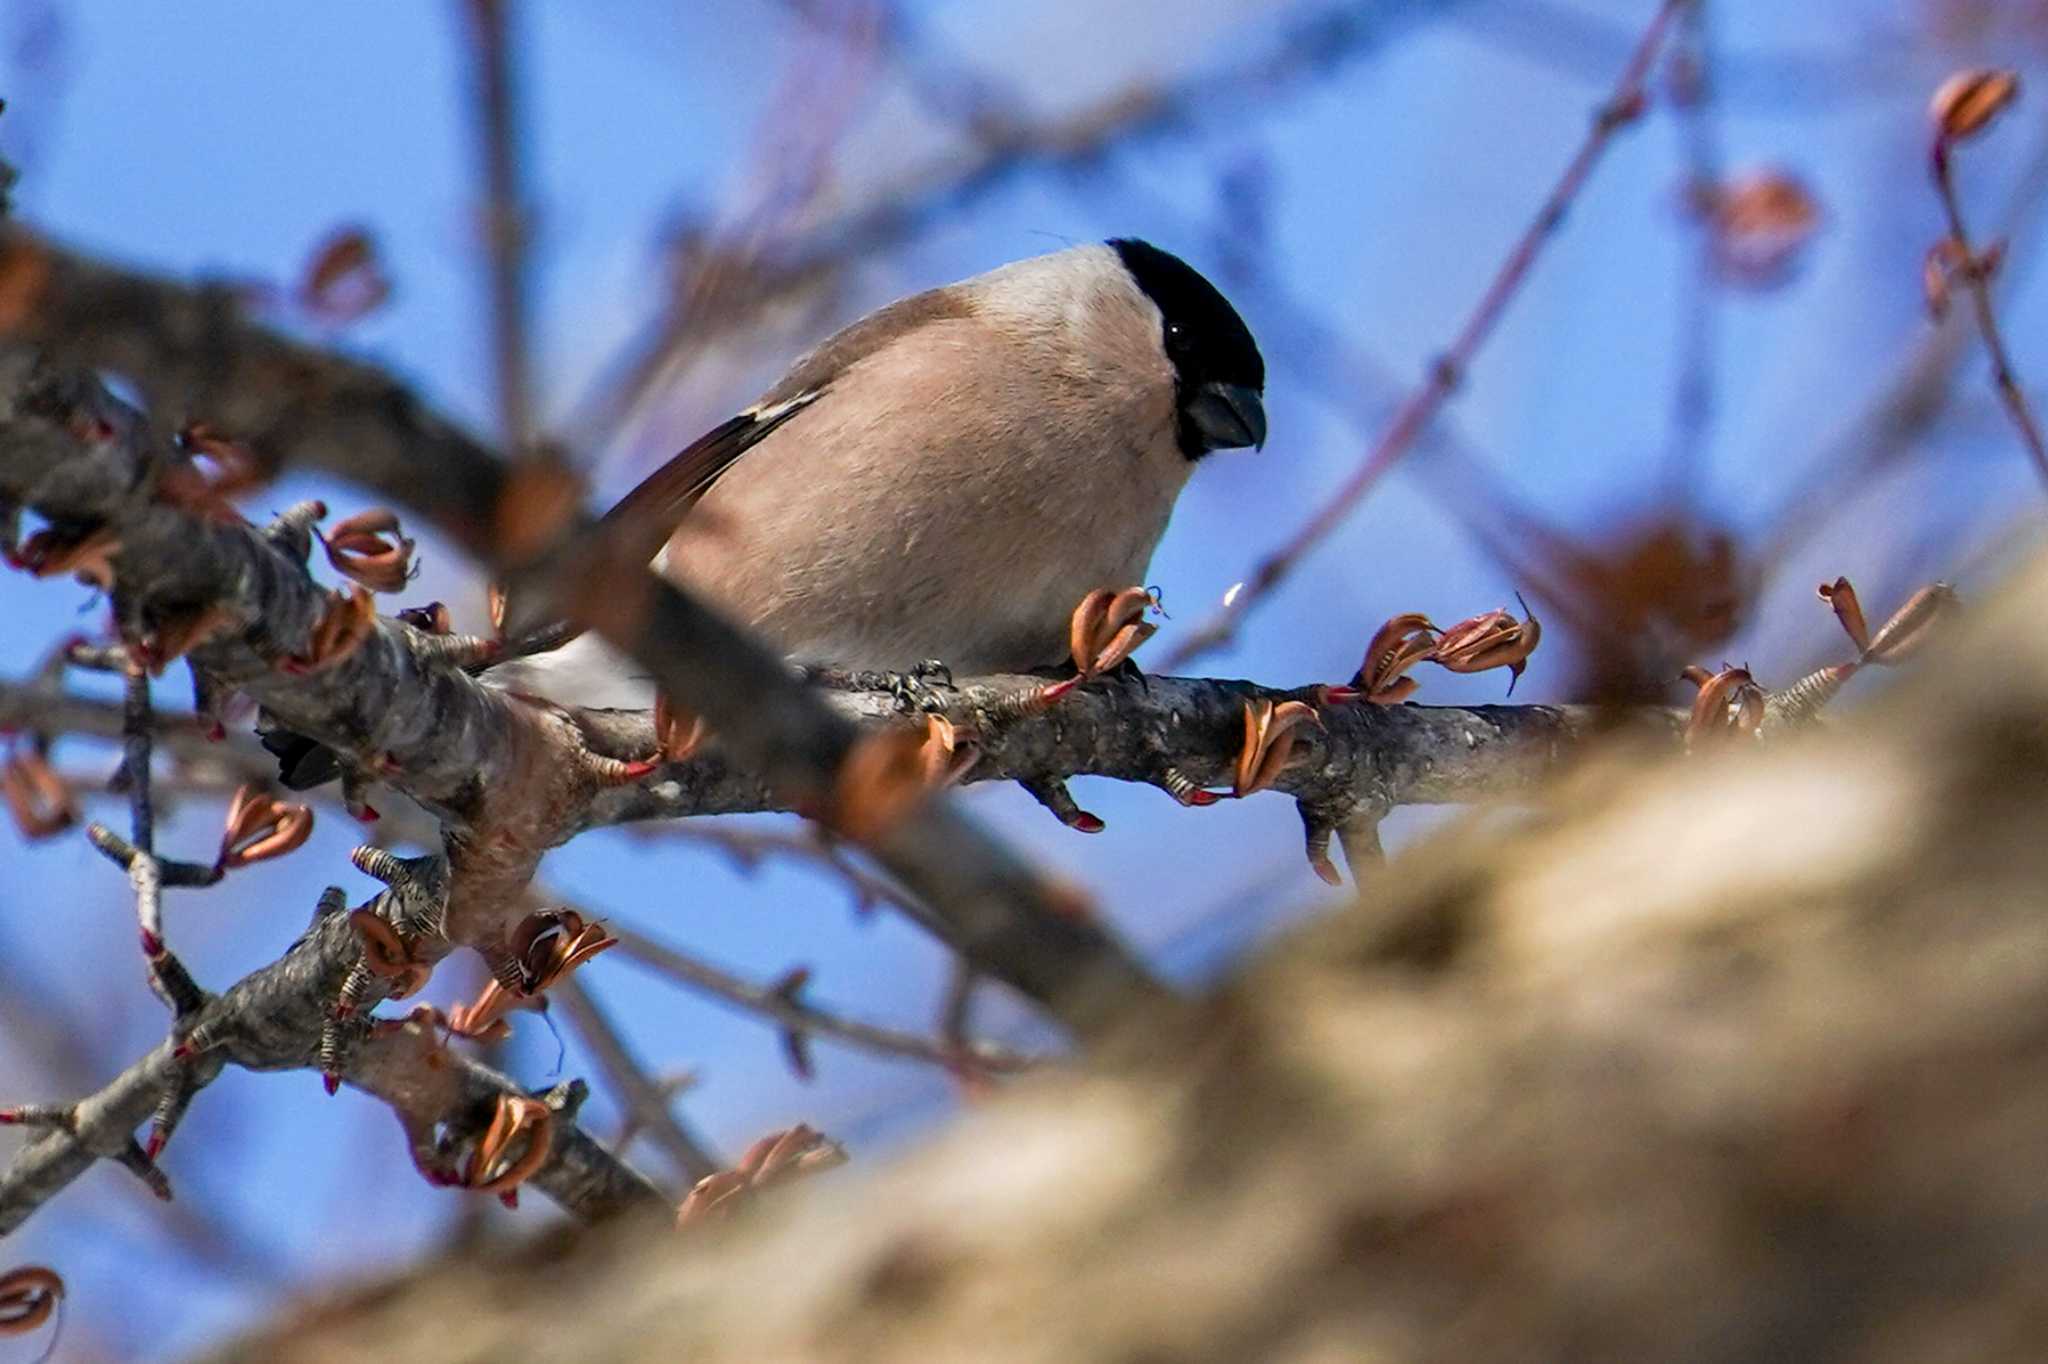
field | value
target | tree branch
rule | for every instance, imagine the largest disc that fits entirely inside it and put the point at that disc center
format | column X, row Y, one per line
column 784, row 1006
column 1975, row 270
column 639, row 1094
column 1622, row 107
column 504, row 218
column 272, row 1020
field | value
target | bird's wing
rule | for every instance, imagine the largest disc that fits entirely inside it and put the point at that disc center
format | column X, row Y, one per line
column 645, row 518
column 649, row 514
column 832, row 357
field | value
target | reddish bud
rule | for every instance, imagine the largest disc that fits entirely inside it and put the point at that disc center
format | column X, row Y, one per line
column 1841, row 596
column 371, row 549
column 1493, row 639
column 1269, row 743
column 344, row 280
column 1398, row 645
column 1761, row 221
column 1967, row 102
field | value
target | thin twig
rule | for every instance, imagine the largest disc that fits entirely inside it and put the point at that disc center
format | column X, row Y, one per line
column 786, row 1011
column 504, row 215
column 748, row 846
column 1691, row 72
column 1866, row 67
column 1315, row 40
column 638, row 1091
column 1889, row 425
column 1622, row 107
column 135, row 734
column 148, row 875
column 1464, row 482
column 1975, row 275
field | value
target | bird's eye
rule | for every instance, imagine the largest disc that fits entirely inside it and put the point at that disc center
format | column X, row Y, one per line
column 1176, row 334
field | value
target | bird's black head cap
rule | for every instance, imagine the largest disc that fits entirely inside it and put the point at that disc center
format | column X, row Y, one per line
column 1211, row 348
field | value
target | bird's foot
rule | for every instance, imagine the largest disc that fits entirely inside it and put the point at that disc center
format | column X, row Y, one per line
column 917, row 691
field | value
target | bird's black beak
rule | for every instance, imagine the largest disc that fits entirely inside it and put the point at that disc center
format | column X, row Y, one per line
column 1228, row 416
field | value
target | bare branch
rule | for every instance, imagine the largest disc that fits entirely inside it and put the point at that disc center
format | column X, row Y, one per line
column 1621, row 108
column 504, row 216
column 271, row 1020
column 1974, row 268
column 789, row 1011
column 641, row 1096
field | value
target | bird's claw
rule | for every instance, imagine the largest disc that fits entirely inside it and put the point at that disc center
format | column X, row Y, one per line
column 916, row 691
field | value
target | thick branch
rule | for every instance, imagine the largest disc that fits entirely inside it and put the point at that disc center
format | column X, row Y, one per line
column 1137, row 731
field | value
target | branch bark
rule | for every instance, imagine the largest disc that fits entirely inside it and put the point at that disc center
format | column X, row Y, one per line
column 272, row 1020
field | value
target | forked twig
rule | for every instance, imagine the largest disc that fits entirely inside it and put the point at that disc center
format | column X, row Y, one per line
column 1447, row 373
column 1962, row 108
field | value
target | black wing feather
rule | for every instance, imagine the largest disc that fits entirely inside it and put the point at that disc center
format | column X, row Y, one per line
column 647, row 516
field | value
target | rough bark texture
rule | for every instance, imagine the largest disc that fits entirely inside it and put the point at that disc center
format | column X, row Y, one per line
column 1743, row 1056
column 271, row 1019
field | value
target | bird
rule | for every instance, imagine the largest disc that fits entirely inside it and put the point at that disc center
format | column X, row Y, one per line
column 945, row 478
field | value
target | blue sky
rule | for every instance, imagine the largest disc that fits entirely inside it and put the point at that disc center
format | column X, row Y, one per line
column 226, row 138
